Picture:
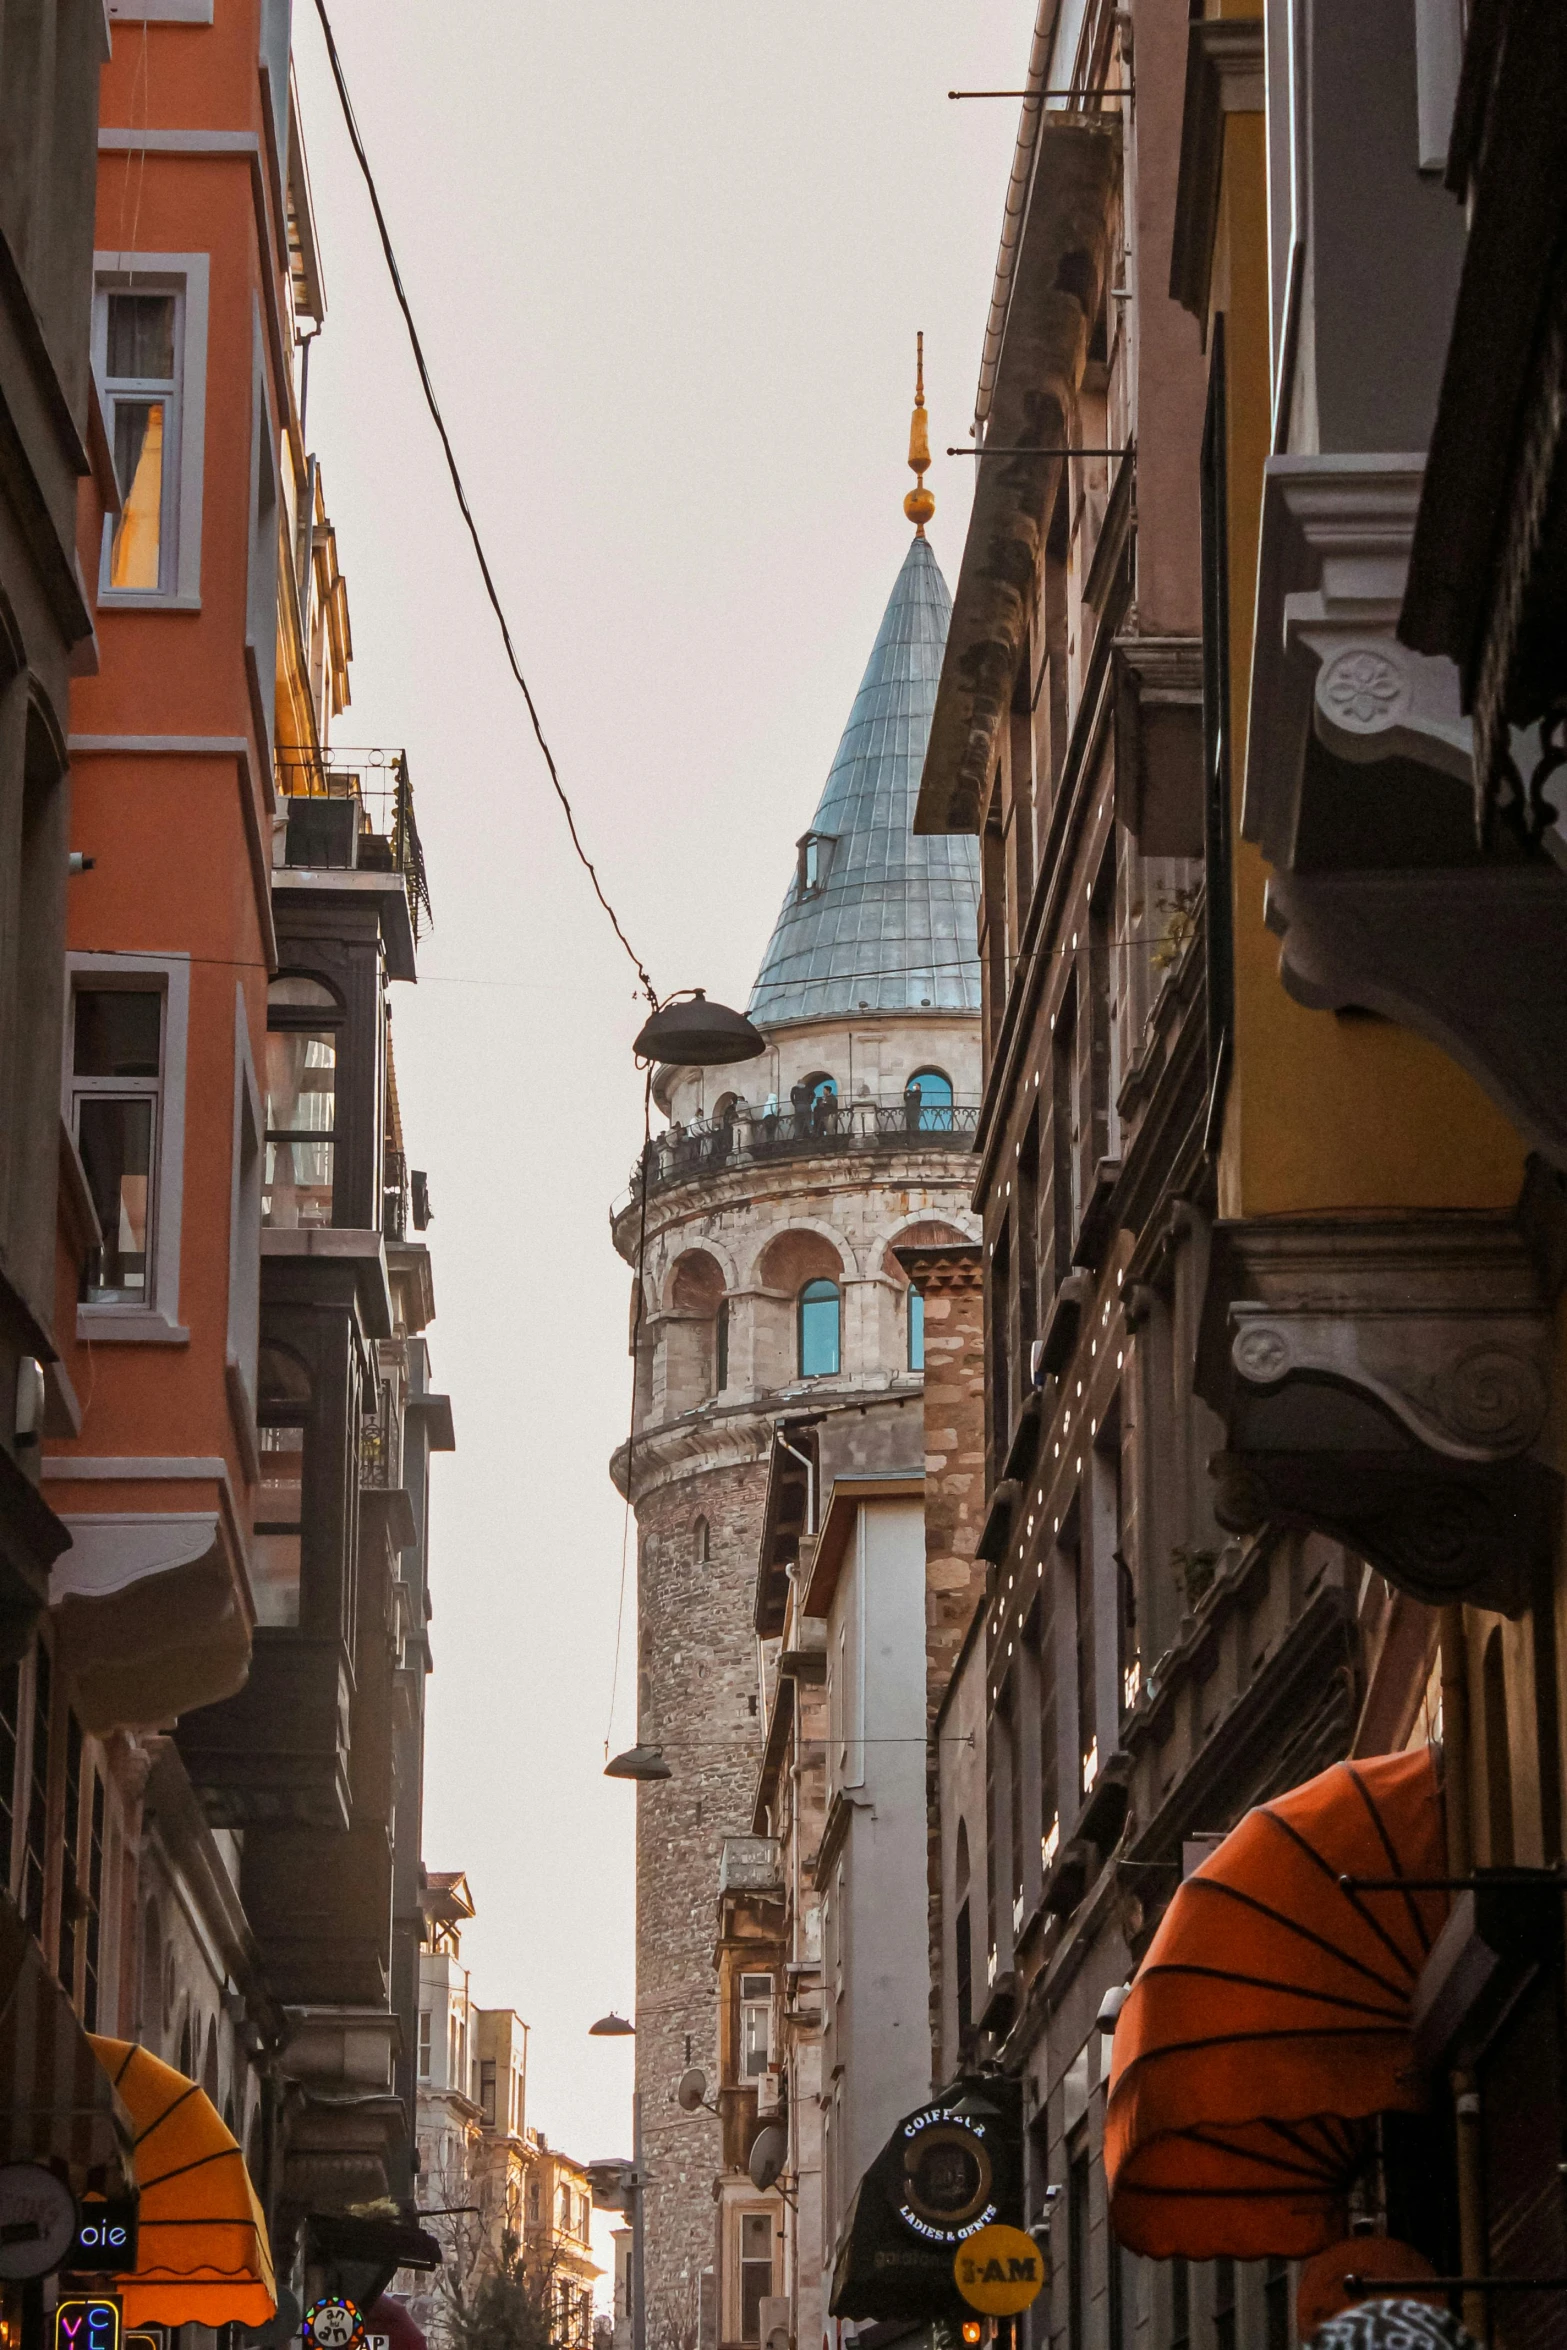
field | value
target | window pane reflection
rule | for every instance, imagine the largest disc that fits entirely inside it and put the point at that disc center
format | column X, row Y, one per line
column 301, row 1082
column 279, row 1512
column 115, row 1141
column 141, row 337
column 819, row 1330
column 296, row 1192
column 301, row 1116
column 136, row 543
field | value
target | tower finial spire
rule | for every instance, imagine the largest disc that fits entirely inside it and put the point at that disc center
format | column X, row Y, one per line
column 920, row 504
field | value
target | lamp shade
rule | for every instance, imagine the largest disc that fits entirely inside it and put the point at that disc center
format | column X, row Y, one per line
column 698, row 1035
column 638, row 1762
column 612, row 2027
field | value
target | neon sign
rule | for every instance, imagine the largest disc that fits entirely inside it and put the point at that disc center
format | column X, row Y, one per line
column 87, row 2322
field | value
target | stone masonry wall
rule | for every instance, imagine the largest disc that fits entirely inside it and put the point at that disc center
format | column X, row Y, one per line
column 952, row 1282
column 697, row 1693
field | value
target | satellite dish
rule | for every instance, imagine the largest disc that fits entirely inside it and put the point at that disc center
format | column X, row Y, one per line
column 691, row 2093
column 769, row 2153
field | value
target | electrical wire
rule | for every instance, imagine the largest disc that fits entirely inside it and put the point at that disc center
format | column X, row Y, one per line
column 439, row 422
column 631, row 1433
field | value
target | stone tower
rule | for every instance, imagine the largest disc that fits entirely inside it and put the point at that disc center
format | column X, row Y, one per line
column 772, row 1203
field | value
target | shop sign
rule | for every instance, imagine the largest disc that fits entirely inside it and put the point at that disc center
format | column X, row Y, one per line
column 946, row 2184
column 87, row 2321
column 105, row 2238
column 1000, row 2271
column 334, row 2324
column 37, row 2220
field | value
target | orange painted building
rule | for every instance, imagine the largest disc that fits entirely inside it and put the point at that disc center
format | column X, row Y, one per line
column 204, row 271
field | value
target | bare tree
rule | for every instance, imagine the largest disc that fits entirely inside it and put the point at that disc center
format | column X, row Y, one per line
column 513, row 2302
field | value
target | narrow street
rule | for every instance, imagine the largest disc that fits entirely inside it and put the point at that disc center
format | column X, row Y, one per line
column 783, row 1175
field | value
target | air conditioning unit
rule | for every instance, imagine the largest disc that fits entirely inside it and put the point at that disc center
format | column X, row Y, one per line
column 769, row 2090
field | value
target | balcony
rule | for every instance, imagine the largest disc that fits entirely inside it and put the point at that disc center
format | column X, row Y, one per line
column 405, row 1196
column 752, row 1132
column 352, row 811
column 750, row 1864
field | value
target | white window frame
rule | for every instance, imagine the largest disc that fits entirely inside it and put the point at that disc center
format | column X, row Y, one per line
column 187, row 277
column 750, row 2002
column 262, row 546
column 156, row 1321
column 160, row 11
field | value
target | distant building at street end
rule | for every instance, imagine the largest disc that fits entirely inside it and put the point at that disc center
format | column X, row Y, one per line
column 501, row 2199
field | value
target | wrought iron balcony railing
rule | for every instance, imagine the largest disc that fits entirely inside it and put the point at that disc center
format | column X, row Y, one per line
column 353, row 811
column 755, row 1131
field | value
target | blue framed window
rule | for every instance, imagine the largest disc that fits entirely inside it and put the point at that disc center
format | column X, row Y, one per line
column 928, row 1099
column 819, row 1330
column 916, row 1330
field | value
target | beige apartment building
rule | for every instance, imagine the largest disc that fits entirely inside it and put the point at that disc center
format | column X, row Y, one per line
column 492, row 2187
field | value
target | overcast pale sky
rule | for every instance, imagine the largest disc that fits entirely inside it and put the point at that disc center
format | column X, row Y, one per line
column 668, row 263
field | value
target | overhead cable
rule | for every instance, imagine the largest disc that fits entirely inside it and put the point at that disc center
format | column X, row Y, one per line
column 437, row 419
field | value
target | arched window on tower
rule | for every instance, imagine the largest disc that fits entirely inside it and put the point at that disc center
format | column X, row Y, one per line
column 820, row 1314
column 927, row 1102
column 702, row 1541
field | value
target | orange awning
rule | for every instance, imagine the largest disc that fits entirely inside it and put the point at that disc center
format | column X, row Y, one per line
column 203, row 2256
column 1270, row 2020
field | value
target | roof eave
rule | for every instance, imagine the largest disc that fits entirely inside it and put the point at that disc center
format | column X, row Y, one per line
column 1057, row 286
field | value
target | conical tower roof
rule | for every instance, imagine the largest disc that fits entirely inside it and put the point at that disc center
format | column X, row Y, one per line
column 879, row 919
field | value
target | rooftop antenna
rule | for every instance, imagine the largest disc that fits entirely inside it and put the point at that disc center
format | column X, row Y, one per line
column 920, row 504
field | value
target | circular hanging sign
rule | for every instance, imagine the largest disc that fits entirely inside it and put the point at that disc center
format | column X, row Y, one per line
column 334, row 2324
column 1000, row 2271
column 37, row 2220
column 947, row 2178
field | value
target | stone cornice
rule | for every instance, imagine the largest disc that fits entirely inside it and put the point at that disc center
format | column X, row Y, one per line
column 731, row 1437
column 945, row 1269
column 934, row 1166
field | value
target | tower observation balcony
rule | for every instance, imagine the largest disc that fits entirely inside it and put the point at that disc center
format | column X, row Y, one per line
column 750, row 1133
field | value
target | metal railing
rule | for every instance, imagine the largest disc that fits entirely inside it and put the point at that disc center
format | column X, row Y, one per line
column 353, row 811
column 395, row 1191
column 758, row 1131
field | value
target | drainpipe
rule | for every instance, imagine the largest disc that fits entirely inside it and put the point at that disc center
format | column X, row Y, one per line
column 1460, row 1863
column 809, row 1466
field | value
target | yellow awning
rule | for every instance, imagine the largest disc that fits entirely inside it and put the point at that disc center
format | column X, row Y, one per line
column 203, row 2256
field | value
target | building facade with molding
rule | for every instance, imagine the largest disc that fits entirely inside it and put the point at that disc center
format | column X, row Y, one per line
column 211, row 1741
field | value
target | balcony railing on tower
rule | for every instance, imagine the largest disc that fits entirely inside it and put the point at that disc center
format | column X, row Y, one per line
column 750, row 1131
column 353, row 811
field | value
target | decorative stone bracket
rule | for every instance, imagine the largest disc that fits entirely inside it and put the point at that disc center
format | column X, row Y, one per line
column 1336, row 534
column 1474, row 958
column 1359, row 790
column 1383, row 1384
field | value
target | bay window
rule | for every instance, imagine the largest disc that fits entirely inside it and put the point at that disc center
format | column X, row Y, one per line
column 304, row 1019
column 277, row 1552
